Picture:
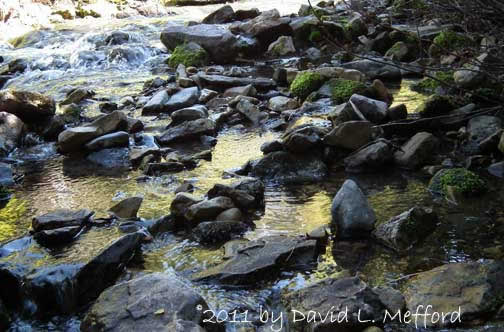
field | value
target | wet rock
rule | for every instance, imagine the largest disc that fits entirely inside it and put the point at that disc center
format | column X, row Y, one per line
column 266, row 27
column 474, row 287
column 282, row 46
column 304, row 138
column 182, row 202
column 5, row 319
column 117, row 38
column 399, row 112
column 208, row 209
column 250, row 111
column 246, row 14
column 374, row 69
column 147, row 303
column 77, row 95
column 479, row 129
column 11, row 129
column 185, row 188
column 138, row 154
column 118, row 139
column 187, row 130
column 111, row 158
column 206, row 95
column 57, row 236
column 233, row 214
column 286, row 167
column 184, row 98
column 221, row 83
column 158, row 169
column 491, row 143
column 263, row 258
column 373, row 110
column 222, row 15
column 352, row 216
column 240, row 198
column 28, row 106
column 407, row 229
column 61, row 218
column 127, row 208
column 247, row 90
column 332, row 296
column 281, row 103
column 157, row 103
column 211, row 232
column 6, row 176
column 272, row 146
column 189, row 114
column 350, row 135
column 497, row 169
column 417, row 151
column 371, row 157
column 435, row 105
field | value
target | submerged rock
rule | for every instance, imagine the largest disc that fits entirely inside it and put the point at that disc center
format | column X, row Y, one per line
column 58, row 236
column 115, row 158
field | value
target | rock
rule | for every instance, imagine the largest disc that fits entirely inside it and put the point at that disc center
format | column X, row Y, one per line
column 497, row 169
column 250, row 111
column 211, row 232
column 402, row 232
column 399, row 51
column 222, row 15
column 58, row 236
column 61, row 218
column 399, row 112
column 117, row 139
column 127, row 208
column 77, row 95
column 240, row 198
column 418, row 151
column 262, row 259
column 186, row 131
column 4, row 317
column 207, row 210
column 272, row 146
column 473, row 76
column 184, row 98
column 350, row 135
column 246, row 14
column 157, row 169
column 266, row 27
column 303, row 139
column 6, row 176
column 435, row 105
column 374, row 69
column 352, row 216
column 28, row 106
column 233, row 214
column 184, row 326
column 370, row 157
column 182, row 202
column 206, row 95
column 328, row 298
column 189, row 114
column 117, row 158
column 247, row 90
column 481, row 127
column 221, row 83
column 282, row 46
column 476, row 288
column 357, row 27
column 458, row 180
column 286, row 167
column 11, row 129
column 373, row 110
column 491, row 143
column 281, row 103
column 156, row 103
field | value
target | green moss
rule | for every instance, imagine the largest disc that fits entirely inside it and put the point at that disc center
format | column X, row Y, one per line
column 342, row 90
column 81, row 12
column 315, row 36
column 305, row 83
column 461, row 179
column 183, row 55
column 428, row 85
column 450, row 40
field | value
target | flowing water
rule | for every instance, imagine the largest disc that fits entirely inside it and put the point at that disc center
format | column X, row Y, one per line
column 75, row 55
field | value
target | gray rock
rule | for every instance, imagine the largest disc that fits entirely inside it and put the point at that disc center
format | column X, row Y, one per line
column 304, row 138
column 61, row 218
column 118, row 139
column 222, row 15
column 407, row 229
column 117, row 158
column 250, row 111
column 350, row 135
column 221, row 83
column 272, row 146
column 266, row 27
column 281, row 103
column 399, row 112
column 373, row 110
column 282, row 46
column 148, row 303
column 479, row 129
column 11, row 129
column 157, row 103
column 262, row 260
column 371, row 157
column 182, row 99
column 497, row 169
column 352, row 216
column 127, row 208
column 374, row 69
column 187, row 130
column 247, row 90
column 241, row 198
column 28, row 106
column 189, row 114
column 211, row 232
column 182, row 202
column 233, row 214
column 6, row 176
column 418, row 151
column 57, row 236
column 208, row 209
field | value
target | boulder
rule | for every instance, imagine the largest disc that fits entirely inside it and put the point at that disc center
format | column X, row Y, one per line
column 28, row 106
column 212, row 232
column 157, row 102
column 352, row 216
column 281, row 103
column 282, row 46
column 222, row 15
column 208, row 209
column 304, row 139
column 117, row 139
column 262, row 260
column 182, row 202
column 266, row 27
column 240, row 198
column 221, row 83
column 474, row 288
column 57, row 236
column 186, row 131
column 371, row 157
column 250, row 111
column 127, row 208
column 189, row 114
column 350, row 135
column 374, row 69
column 233, row 214
column 407, row 229
column 11, row 129
column 61, row 218
column 272, row 146
column 417, row 151
column 372, row 110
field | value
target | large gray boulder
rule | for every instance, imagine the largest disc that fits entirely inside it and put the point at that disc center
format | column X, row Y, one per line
column 372, row 110
column 370, row 157
column 350, row 135
column 28, row 106
column 416, row 152
column 148, row 303
column 61, row 218
column 225, row 14
column 11, row 129
column 352, row 216
column 187, row 130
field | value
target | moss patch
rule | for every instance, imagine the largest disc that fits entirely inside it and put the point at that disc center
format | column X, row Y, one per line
column 450, row 40
column 315, row 36
column 342, row 90
column 460, row 179
column 183, row 54
column 81, row 12
column 305, row 83
column 428, row 85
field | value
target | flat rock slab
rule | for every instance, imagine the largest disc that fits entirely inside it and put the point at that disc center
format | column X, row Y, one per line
column 187, row 130
column 222, row 83
column 61, row 218
column 260, row 259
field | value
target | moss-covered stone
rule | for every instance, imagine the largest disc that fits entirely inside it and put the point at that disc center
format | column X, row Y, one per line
column 190, row 55
column 315, row 36
column 342, row 90
column 305, row 83
column 461, row 180
column 435, row 105
column 81, row 12
column 428, row 85
column 448, row 41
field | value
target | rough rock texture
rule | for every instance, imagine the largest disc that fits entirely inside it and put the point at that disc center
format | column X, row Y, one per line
column 209, row 209
column 187, row 130
column 369, row 158
column 127, row 208
column 61, row 218
column 118, row 139
column 221, row 83
column 11, row 129
column 225, row 14
column 350, row 135
column 219, row 231
column 417, row 151
column 372, row 110
column 28, row 106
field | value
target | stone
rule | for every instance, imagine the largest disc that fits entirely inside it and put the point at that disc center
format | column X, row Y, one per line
column 497, row 169
column 187, row 130
column 399, row 112
column 374, row 69
column 221, row 83
column 207, row 210
column 241, row 198
column 404, row 231
column 28, row 106
column 233, row 214
column 189, row 114
column 113, row 140
column 352, row 216
column 303, row 139
column 148, row 303
column 261, row 260
column 156, row 103
column 61, row 218
column 157, row 169
column 266, row 27
column 272, row 146
column 417, row 151
column 250, row 111
column 399, row 51
column 57, row 236
column 281, row 103
column 371, row 157
column 182, row 99
column 246, row 14
column 435, row 105
column 282, row 46
column 113, row 158
column 127, row 208
column 212, row 232
column 247, row 90
column 372, row 110
column 76, row 96
column 11, row 129
column 350, row 135
column 222, row 15
column 474, row 287
column 182, row 202
column 6, row 175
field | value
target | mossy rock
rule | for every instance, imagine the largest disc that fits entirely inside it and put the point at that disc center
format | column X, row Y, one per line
column 315, row 36
column 461, row 180
column 435, row 105
column 428, row 85
column 81, row 12
column 448, row 41
column 342, row 90
column 305, row 83
column 190, row 55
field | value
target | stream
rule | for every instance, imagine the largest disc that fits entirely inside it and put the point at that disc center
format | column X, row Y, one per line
column 76, row 55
